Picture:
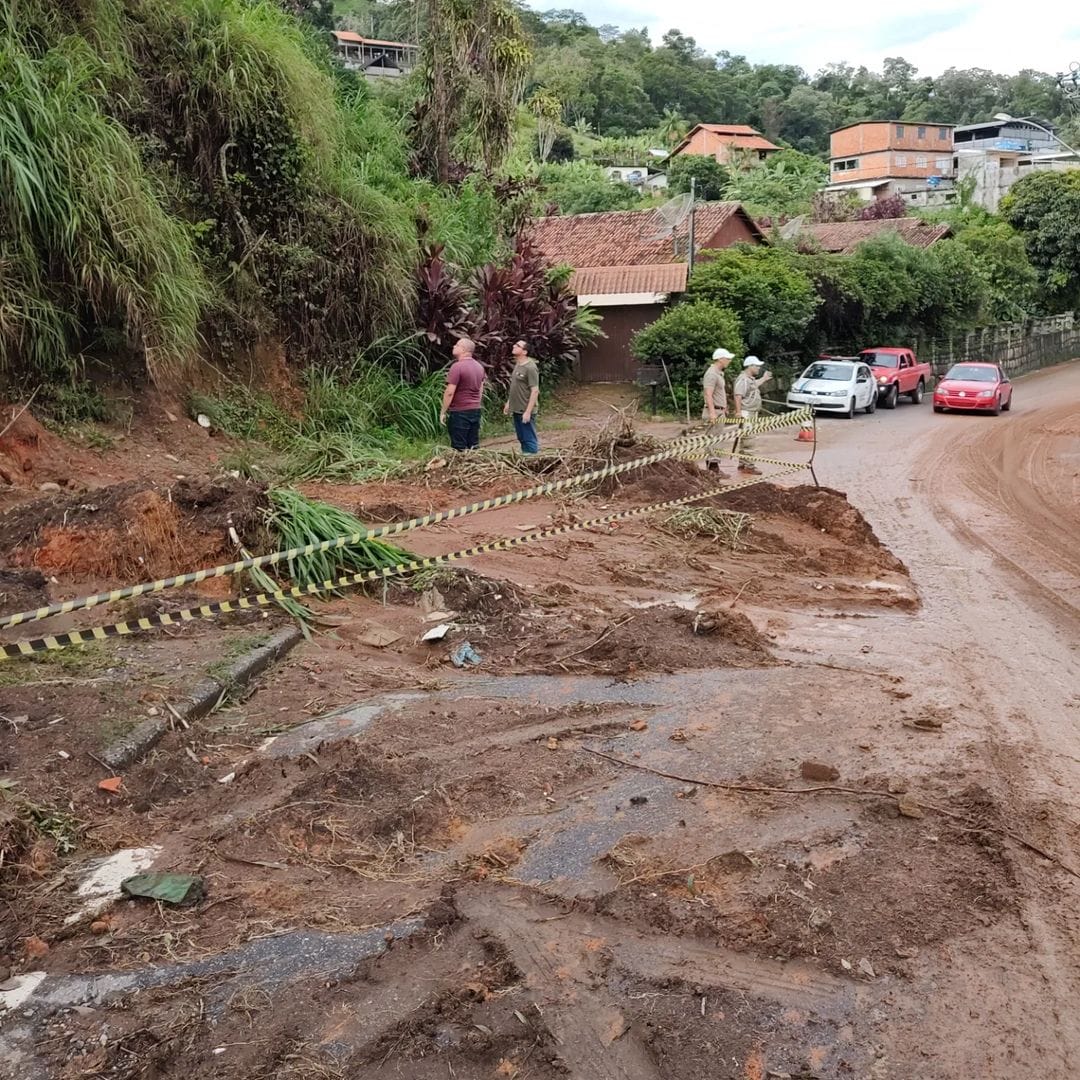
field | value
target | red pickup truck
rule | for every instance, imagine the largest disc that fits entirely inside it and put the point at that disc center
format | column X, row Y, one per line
column 897, row 372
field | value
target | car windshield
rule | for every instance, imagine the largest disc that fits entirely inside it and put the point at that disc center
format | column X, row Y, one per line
column 972, row 373
column 881, row 359
column 832, row 372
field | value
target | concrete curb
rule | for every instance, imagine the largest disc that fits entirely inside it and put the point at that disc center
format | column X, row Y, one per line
column 201, row 700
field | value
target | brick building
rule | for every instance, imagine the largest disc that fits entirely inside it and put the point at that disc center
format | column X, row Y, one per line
column 879, row 158
column 729, row 144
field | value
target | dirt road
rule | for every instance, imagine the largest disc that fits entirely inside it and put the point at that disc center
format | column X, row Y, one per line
column 700, row 812
column 985, row 513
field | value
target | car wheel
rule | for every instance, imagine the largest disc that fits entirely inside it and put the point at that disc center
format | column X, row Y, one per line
column 871, row 405
column 850, row 414
column 889, row 400
column 916, row 395
column 996, row 410
column 1008, row 405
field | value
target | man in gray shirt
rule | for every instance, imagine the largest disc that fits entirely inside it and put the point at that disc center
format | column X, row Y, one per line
column 748, row 406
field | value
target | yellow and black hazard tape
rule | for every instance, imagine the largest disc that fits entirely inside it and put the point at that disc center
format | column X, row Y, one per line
column 52, row 642
column 683, row 447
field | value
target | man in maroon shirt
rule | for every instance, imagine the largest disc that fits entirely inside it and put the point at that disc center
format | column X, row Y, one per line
column 462, row 397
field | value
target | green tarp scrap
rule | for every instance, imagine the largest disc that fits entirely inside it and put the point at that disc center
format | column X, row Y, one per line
column 170, row 888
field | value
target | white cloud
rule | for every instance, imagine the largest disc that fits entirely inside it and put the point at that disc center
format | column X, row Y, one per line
column 994, row 34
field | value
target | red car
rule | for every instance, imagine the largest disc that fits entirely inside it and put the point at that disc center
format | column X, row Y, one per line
column 981, row 387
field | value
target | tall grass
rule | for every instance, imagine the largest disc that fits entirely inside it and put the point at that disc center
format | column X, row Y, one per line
column 171, row 167
column 355, row 424
column 82, row 223
column 298, row 521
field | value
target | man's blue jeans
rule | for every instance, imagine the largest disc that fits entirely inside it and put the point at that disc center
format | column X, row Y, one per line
column 526, row 433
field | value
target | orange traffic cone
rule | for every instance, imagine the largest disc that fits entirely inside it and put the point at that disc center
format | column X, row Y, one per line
column 806, row 432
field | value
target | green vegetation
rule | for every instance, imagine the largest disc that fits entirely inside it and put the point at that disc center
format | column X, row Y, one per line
column 297, row 521
column 711, row 179
column 1045, row 209
column 684, row 337
column 774, row 300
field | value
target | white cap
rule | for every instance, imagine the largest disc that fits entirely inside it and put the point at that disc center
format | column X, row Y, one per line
column 723, row 354
column 751, row 361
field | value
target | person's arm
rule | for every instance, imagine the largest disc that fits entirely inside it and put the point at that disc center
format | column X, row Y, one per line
column 764, row 378
column 708, row 386
column 447, row 398
column 534, row 394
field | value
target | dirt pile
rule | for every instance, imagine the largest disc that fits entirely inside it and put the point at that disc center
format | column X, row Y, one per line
column 823, row 508
column 131, row 531
column 30, row 455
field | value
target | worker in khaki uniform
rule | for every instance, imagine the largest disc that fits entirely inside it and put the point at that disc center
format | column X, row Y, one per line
column 748, row 407
column 715, row 391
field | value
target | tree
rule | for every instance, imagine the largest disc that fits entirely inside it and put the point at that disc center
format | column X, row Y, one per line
column 783, row 186
column 547, row 109
column 711, row 178
column 1045, row 209
column 1001, row 260
column 684, row 338
column 774, row 300
column 472, row 68
column 580, row 187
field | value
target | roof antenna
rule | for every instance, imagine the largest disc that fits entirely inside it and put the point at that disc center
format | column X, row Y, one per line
column 672, row 214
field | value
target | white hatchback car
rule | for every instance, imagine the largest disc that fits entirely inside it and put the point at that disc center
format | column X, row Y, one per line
column 840, row 386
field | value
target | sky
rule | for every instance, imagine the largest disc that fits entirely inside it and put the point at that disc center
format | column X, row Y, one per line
column 1002, row 36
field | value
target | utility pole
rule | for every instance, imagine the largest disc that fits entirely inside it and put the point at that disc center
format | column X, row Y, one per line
column 693, row 204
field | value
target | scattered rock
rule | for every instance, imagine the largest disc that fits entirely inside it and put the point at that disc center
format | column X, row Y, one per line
column 908, row 807
column 867, row 968
column 111, row 784
column 686, row 793
column 845, row 964
column 638, row 725
column 819, row 772
column 100, row 926
column 36, row 948
column 552, row 743
column 733, row 861
column 678, row 735
column 820, row 919
column 49, row 486
column 897, row 785
column 638, row 800
column 378, row 637
column 907, row 952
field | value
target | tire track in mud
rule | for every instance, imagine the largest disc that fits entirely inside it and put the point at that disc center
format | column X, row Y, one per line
column 565, row 957
column 1030, row 505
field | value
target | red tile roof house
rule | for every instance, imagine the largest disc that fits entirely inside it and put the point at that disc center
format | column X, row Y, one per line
column 843, row 237
column 629, row 266
column 728, row 143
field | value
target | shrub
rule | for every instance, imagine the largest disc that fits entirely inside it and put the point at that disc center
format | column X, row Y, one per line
column 580, row 187
column 710, row 177
column 684, row 338
column 774, row 300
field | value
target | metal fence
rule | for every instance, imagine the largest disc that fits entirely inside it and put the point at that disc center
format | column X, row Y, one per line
column 1017, row 347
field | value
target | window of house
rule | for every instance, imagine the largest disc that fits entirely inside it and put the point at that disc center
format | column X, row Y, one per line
column 899, row 131
column 920, row 162
column 942, row 132
column 942, row 164
column 845, row 165
column 922, row 133
column 901, row 160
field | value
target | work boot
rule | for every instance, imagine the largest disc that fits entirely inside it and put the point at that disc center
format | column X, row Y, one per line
column 743, row 467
